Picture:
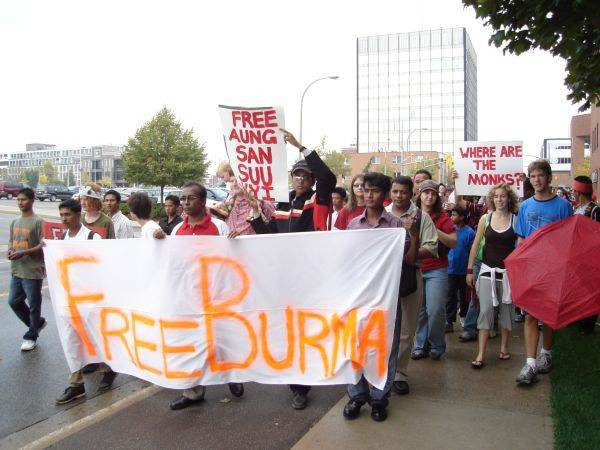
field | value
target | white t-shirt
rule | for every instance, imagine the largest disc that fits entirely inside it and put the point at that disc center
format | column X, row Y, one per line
column 149, row 228
column 82, row 235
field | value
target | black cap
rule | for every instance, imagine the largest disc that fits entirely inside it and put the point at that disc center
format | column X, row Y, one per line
column 301, row 165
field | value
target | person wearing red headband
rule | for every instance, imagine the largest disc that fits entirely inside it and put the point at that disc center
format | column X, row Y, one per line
column 583, row 191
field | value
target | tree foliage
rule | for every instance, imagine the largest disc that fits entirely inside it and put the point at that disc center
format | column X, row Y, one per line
column 70, row 178
column 335, row 160
column 31, row 177
column 566, row 28
column 162, row 153
column 49, row 174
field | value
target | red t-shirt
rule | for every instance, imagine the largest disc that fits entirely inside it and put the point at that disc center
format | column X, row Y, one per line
column 208, row 227
column 442, row 223
column 345, row 216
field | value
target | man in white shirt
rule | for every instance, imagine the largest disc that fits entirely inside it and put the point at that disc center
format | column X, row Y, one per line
column 70, row 215
column 123, row 226
column 141, row 209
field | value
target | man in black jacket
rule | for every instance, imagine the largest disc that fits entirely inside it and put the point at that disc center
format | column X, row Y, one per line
column 307, row 210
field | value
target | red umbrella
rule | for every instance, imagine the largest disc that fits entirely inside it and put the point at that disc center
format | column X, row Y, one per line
column 555, row 273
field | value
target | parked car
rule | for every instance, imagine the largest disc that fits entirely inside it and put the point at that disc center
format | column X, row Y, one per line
column 52, row 192
column 9, row 190
column 214, row 196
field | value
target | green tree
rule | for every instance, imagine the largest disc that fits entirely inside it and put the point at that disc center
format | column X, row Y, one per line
column 335, row 160
column 567, row 28
column 50, row 174
column 162, row 153
column 70, row 178
column 31, row 177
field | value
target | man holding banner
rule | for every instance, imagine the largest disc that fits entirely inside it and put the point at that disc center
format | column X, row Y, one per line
column 307, row 210
column 377, row 189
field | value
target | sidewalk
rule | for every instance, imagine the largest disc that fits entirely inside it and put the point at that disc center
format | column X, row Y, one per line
column 43, row 213
column 451, row 406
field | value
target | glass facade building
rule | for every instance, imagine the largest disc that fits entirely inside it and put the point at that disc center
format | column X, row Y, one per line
column 416, row 91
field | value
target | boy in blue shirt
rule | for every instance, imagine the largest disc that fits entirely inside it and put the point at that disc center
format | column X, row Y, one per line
column 534, row 213
column 458, row 257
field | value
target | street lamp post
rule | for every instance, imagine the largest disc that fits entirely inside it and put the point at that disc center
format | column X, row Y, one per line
column 304, row 93
column 408, row 138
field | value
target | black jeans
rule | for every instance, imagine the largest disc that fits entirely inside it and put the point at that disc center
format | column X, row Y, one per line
column 457, row 295
column 300, row 388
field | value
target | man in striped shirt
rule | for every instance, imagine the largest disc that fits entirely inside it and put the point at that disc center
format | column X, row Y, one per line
column 123, row 226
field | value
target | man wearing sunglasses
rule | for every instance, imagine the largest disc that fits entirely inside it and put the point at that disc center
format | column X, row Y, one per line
column 307, row 210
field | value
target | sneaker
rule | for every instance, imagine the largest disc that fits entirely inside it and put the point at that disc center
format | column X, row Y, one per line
column 466, row 336
column 28, row 345
column 519, row 318
column 527, row 376
column 71, row 393
column 544, row 363
column 299, row 401
column 401, row 387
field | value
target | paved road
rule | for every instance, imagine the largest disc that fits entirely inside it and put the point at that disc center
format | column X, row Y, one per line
column 31, row 381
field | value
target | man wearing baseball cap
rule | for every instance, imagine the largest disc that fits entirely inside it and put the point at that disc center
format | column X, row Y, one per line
column 307, row 210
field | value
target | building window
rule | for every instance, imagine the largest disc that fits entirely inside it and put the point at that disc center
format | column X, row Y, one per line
column 397, row 160
column 375, row 160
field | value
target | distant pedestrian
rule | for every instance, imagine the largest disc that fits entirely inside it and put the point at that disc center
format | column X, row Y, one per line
column 27, row 268
column 123, row 226
column 356, row 203
column 173, row 217
column 338, row 201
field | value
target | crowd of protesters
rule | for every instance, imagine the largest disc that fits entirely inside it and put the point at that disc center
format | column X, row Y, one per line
column 453, row 259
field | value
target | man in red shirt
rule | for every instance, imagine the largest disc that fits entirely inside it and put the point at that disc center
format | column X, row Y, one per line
column 198, row 222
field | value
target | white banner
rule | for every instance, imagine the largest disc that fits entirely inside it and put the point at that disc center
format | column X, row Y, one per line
column 482, row 165
column 299, row 308
column 256, row 150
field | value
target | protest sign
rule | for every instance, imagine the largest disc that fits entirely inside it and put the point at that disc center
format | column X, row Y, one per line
column 256, row 150
column 192, row 310
column 482, row 165
column 56, row 230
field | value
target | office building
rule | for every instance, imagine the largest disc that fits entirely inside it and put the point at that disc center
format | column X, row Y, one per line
column 557, row 151
column 416, row 91
column 87, row 163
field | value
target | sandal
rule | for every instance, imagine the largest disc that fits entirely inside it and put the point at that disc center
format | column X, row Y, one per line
column 504, row 356
column 477, row 364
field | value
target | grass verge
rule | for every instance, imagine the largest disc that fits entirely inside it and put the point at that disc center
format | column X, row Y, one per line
column 575, row 396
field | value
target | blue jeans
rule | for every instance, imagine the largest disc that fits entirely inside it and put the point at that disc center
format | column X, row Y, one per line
column 360, row 391
column 30, row 289
column 473, row 312
column 432, row 320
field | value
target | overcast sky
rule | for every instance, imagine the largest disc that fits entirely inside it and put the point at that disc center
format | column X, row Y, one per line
column 78, row 73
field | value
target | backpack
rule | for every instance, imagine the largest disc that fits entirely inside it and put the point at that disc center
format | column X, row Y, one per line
column 408, row 278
